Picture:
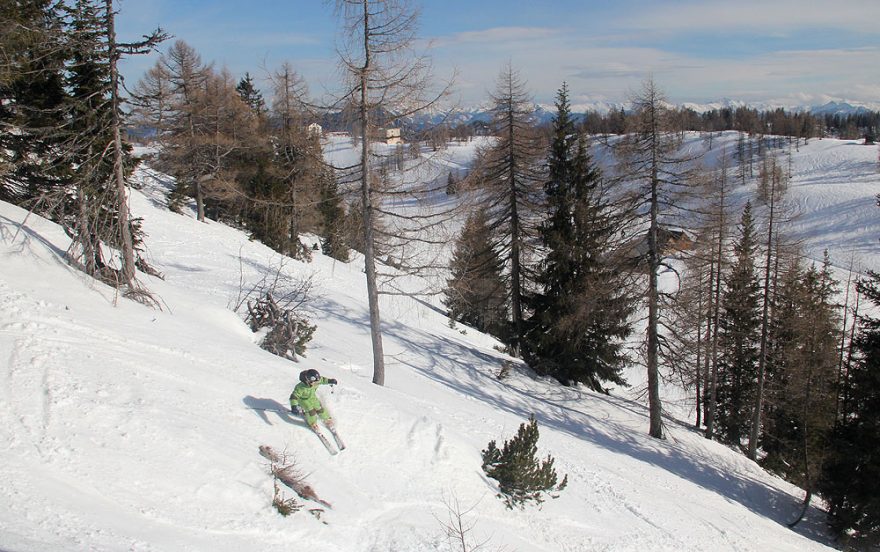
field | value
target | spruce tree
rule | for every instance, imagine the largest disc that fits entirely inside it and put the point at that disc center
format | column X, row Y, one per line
column 451, row 184
column 92, row 219
column 739, row 340
column 851, row 475
column 333, row 235
column 250, row 95
column 801, row 400
column 581, row 311
column 32, row 101
column 475, row 293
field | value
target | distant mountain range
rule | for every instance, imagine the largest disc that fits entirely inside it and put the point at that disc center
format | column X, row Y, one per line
column 842, row 108
column 544, row 113
column 832, row 107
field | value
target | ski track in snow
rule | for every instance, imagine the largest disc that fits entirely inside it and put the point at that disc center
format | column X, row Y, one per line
column 126, row 428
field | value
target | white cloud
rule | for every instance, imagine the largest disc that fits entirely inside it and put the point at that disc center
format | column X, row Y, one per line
column 769, row 15
column 503, row 35
column 614, row 72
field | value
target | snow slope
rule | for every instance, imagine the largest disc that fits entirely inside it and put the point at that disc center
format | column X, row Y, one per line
column 128, row 428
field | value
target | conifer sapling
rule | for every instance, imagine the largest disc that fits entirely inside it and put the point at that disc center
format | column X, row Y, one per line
column 521, row 475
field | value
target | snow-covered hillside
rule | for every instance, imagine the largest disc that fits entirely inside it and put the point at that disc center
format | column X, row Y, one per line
column 127, row 428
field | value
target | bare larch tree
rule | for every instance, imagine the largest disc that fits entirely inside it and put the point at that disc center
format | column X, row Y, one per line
column 386, row 79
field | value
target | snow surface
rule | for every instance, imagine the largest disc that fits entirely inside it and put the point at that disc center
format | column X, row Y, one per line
column 128, row 428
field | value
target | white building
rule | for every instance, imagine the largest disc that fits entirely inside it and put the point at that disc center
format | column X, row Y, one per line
column 392, row 136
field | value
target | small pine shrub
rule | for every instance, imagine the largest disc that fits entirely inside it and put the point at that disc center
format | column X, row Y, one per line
column 521, row 475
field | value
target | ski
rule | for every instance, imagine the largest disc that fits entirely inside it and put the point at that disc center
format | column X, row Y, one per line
column 338, row 439
column 261, row 409
column 327, row 444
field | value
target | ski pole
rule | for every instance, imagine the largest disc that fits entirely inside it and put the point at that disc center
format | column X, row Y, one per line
column 268, row 409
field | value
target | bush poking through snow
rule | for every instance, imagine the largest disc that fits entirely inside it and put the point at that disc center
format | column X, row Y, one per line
column 274, row 305
column 521, row 475
column 288, row 332
column 285, row 506
column 284, row 469
column 458, row 530
column 285, row 472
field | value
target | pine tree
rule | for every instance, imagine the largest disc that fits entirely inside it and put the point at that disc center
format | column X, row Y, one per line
column 266, row 218
column 521, row 475
column 581, row 312
column 739, row 339
column 451, row 184
column 475, row 293
column 100, row 157
column 851, row 475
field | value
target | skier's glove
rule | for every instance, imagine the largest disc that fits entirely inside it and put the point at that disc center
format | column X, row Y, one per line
column 296, row 410
column 332, row 381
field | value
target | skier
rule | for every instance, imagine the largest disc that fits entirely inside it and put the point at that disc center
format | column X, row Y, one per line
column 304, row 402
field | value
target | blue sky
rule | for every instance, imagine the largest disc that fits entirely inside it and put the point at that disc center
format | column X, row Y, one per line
column 788, row 52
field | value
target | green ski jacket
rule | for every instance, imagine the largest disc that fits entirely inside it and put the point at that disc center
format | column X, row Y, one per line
column 304, row 396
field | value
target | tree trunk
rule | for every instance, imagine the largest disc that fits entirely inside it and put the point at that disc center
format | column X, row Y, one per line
column 367, row 203
column 765, row 329
column 515, row 267
column 699, row 360
column 654, row 405
column 127, row 243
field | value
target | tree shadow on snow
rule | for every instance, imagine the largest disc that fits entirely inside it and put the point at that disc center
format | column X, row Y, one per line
column 567, row 410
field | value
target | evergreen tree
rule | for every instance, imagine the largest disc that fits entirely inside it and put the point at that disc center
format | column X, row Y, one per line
column 521, row 475
column 266, row 218
column 581, row 313
column 851, row 475
column 475, row 293
column 32, row 100
column 250, row 95
column 333, row 235
column 801, row 400
column 739, row 340
column 100, row 159
column 451, row 184
column 93, row 218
